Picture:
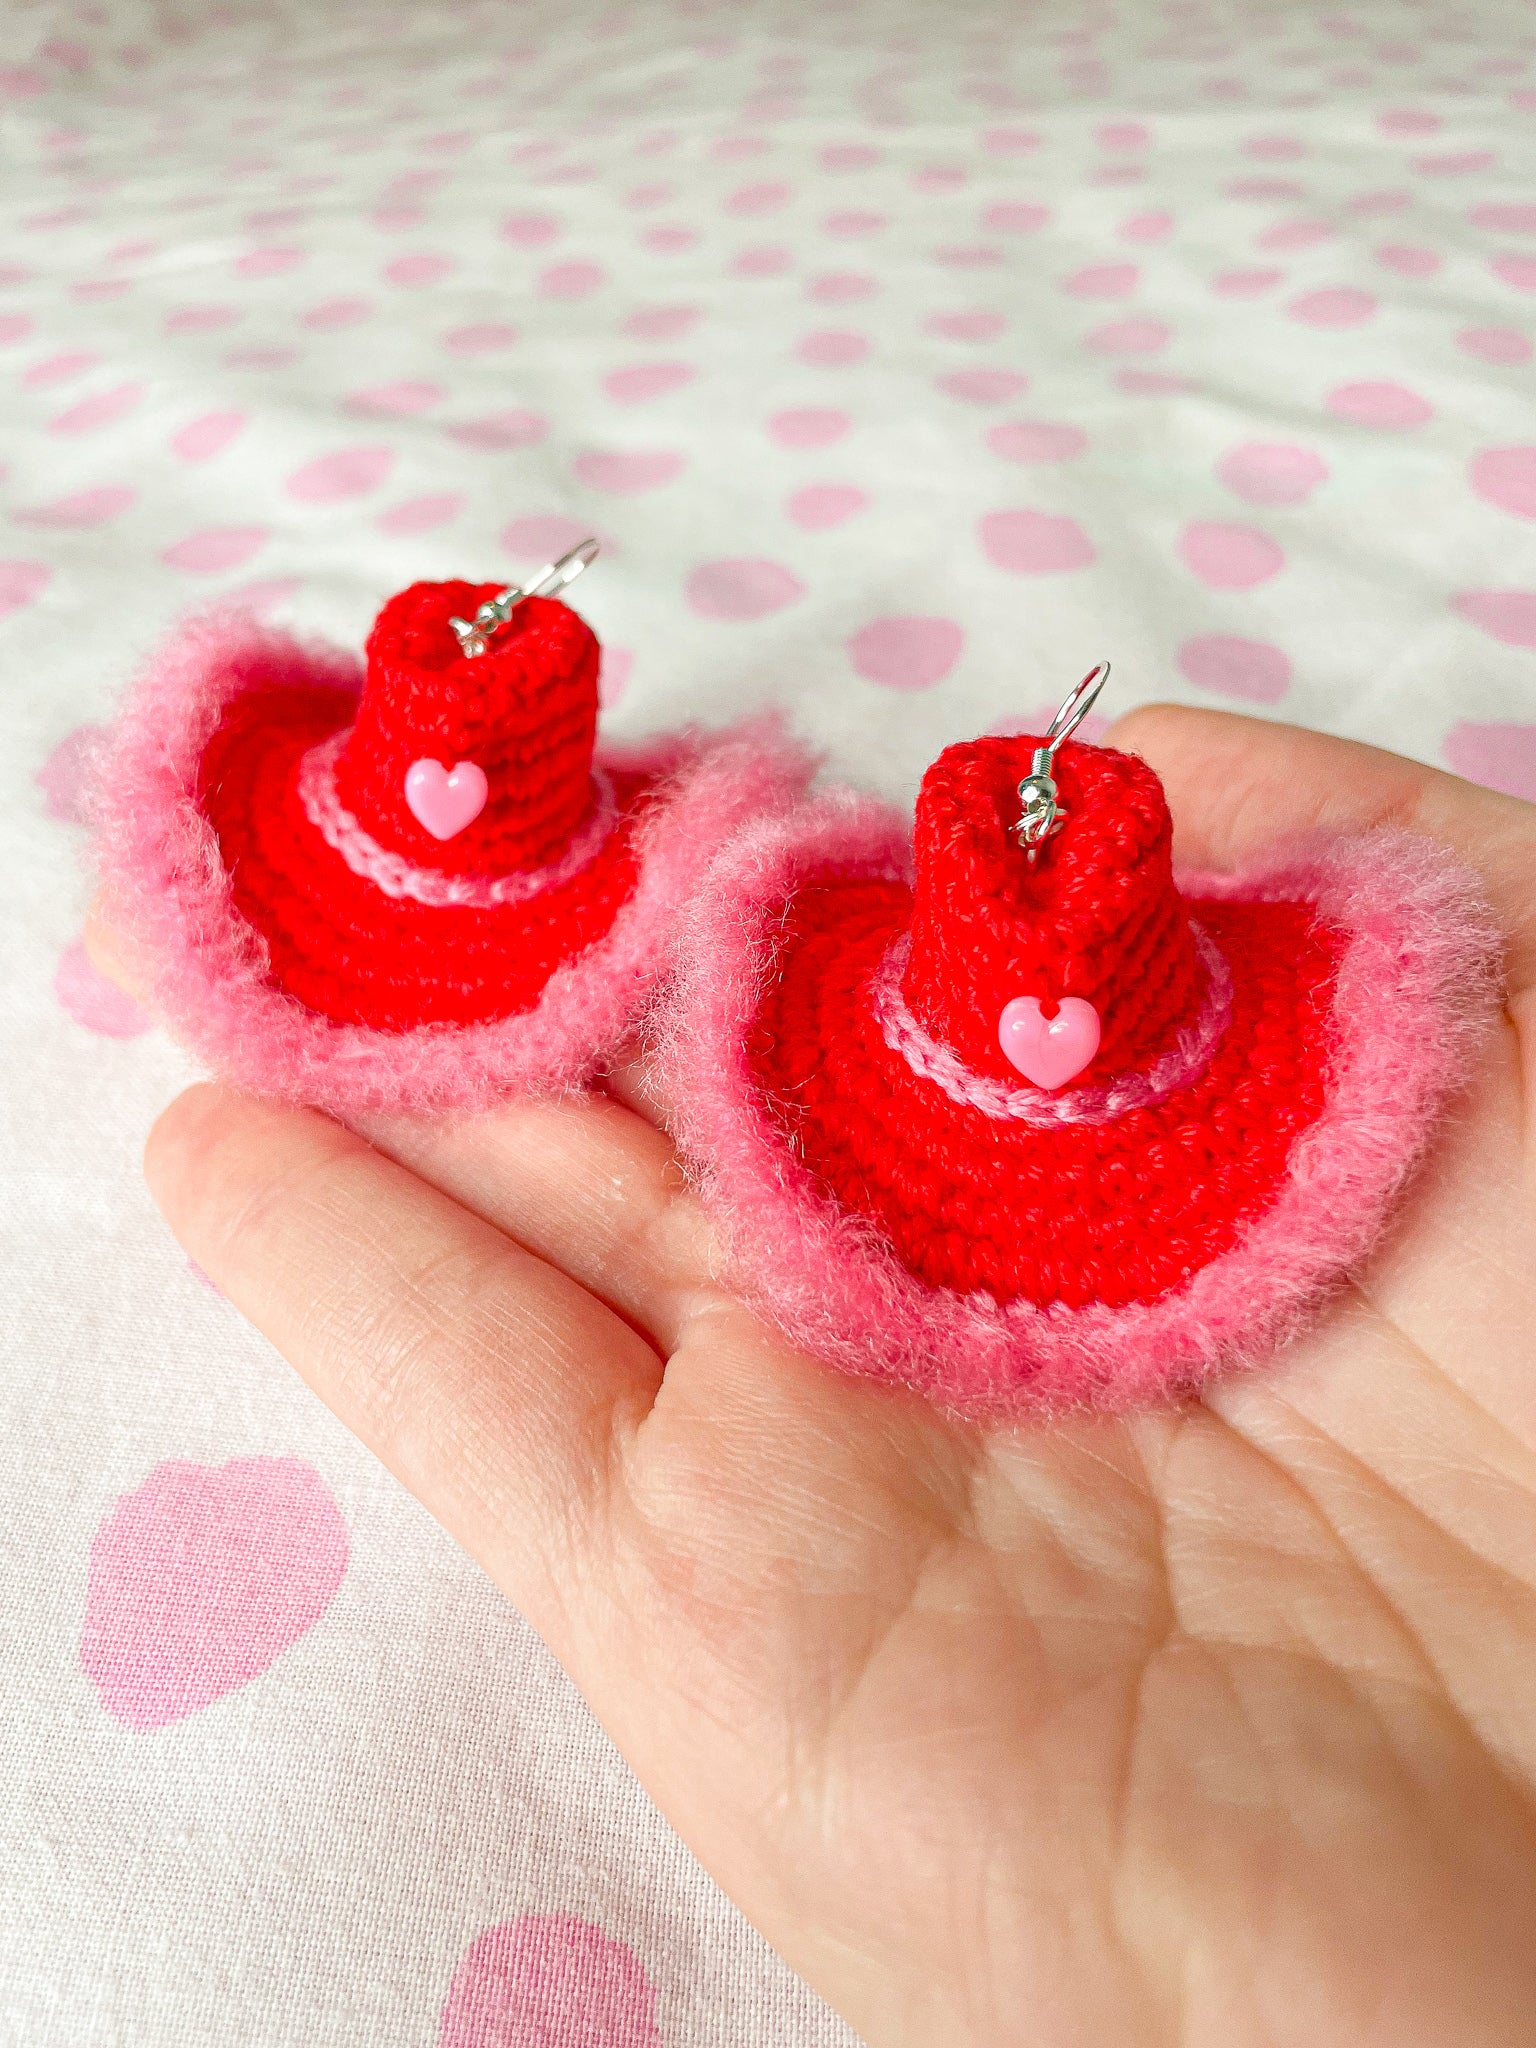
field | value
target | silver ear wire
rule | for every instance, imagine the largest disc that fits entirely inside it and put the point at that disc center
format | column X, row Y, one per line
column 1042, row 816
column 474, row 635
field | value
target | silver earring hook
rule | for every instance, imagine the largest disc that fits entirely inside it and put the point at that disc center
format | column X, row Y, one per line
column 1043, row 816
column 474, row 634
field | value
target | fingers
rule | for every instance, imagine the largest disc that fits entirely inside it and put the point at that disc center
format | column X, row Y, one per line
column 495, row 1387
column 584, row 1183
column 1236, row 785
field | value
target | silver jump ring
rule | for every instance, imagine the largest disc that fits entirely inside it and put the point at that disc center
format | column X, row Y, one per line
column 474, row 634
column 1043, row 817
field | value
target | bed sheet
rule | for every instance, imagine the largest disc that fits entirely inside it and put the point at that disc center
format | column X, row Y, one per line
column 907, row 359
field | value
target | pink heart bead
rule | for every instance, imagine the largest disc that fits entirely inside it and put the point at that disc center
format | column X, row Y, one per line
column 1050, row 1051
column 443, row 802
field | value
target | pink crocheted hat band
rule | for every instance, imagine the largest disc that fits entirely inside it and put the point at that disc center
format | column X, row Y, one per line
column 1081, row 976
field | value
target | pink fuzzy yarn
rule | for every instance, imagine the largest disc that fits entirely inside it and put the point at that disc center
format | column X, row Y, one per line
column 1415, row 992
column 160, row 862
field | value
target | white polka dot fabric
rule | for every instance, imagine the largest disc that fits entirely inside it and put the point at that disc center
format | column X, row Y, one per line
column 907, row 359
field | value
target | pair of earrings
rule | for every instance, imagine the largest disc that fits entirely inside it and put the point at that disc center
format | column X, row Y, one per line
column 991, row 1102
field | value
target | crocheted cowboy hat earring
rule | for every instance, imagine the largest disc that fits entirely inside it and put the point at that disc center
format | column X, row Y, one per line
column 419, row 886
column 1005, row 1111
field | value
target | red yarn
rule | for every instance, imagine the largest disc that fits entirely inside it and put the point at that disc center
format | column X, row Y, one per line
column 1097, row 917
column 1112, row 1212
column 525, row 711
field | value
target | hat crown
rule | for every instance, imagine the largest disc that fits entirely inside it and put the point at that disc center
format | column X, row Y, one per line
column 525, row 712
column 1098, row 917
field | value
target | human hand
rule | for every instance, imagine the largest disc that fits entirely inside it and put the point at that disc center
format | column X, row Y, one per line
column 1213, row 1725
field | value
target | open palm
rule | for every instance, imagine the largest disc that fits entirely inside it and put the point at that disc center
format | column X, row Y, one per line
column 1213, row 1725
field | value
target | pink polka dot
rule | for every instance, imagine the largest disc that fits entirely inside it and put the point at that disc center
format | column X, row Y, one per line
column 902, row 653
column 545, row 536
column 839, row 287
column 548, row 1981
column 1498, row 756
column 91, row 508
column 938, row 178
column 984, row 387
column 345, row 473
column 617, row 666
column 514, row 428
column 201, row 1578
column 655, row 192
column 667, row 238
column 1294, row 234
column 1370, row 203
column 1231, row 667
column 261, row 358
column 731, row 149
column 481, row 337
column 1508, row 615
column 968, row 256
column 628, row 472
column 216, row 548
column 1147, row 227
column 640, row 382
column 103, row 410
column 1382, row 404
column 1128, row 337
column 1494, row 344
column 1230, row 557
column 1516, row 269
column 1454, row 163
column 67, row 777
column 529, row 230
column 334, row 313
column 1151, row 383
column 422, row 515
column 91, row 290
column 1272, row 472
column 852, row 222
column 1334, row 306
column 20, row 583
column 1274, row 148
column 1010, row 141
column 14, row 327
column 571, row 280
column 848, row 156
column 971, row 326
column 93, row 1001
column 1245, row 284
column 419, row 270
column 819, row 506
column 1506, row 477
column 765, row 197
column 200, row 319
column 808, row 427
column 1015, row 217
column 661, row 323
column 1036, row 441
column 766, row 261
column 1128, row 135
column 742, row 589
column 207, row 436
column 1102, row 281
column 832, row 348
column 1407, row 121
column 1035, row 543
column 269, row 262
column 1408, row 260
column 402, row 400
column 1517, row 218
column 59, row 369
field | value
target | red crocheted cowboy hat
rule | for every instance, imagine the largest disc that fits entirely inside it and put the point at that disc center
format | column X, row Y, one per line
column 1062, row 1133
column 419, row 886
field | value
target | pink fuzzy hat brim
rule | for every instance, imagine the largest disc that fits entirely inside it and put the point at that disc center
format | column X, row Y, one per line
column 167, row 888
column 1415, row 993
